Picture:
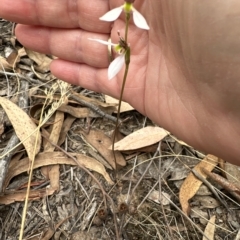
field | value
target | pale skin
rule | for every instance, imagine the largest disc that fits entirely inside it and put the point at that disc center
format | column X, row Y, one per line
column 184, row 72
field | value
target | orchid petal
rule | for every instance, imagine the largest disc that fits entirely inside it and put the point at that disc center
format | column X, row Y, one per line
column 112, row 15
column 115, row 66
column 139, row 20
column 102, row 42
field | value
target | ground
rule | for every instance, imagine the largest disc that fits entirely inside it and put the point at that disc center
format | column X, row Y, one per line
column 141, row 199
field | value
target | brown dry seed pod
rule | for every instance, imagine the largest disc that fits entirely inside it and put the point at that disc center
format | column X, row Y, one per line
column 102, row 213
column 122, row 208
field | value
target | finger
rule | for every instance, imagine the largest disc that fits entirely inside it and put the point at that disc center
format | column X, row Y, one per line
column 54, row 13
column 68, row 44
column 86, row 76
column 96, row 79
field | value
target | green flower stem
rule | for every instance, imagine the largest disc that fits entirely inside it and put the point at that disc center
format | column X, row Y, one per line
column 128, row 15
column 127, row 62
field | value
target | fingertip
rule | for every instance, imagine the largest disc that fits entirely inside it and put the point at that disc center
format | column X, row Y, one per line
column 64, row 70
column 88, row 77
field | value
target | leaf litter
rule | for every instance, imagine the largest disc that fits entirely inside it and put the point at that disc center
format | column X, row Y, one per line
column 25, row 129
column 72, row 190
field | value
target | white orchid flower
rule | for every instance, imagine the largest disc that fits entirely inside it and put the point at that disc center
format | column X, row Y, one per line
column 138, row 18
column 116, row 65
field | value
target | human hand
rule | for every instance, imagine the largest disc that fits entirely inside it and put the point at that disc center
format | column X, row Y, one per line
column 183, row 73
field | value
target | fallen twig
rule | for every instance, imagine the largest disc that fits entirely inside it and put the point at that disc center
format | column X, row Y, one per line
column 93, row 107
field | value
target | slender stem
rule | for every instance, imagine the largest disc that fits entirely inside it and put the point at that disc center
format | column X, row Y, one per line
column 126, row 26
column 127, row 62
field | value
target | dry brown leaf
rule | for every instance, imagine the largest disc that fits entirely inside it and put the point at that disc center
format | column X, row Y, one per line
column 23, row 126
column 19, row 196
column 4, row 65
column 50, row 158
column 191, row 184
column 65, row 128
column 22, row 52
column 141, row 138
column 101, row 142
column 40, row 59
column 16, row 158
column 75, row 112
column 55, row 131
column 210, row 229
column 13, row 58
column 53, row 171
column 125, row 107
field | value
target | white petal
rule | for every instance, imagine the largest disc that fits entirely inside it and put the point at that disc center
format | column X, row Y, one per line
column 102, row 42
column 115, row 66
column 139, row 20
column 112, row 15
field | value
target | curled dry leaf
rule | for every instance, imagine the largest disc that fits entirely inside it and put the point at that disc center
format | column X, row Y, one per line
column 141, row 138
column 191, row 184
column 4, row 65
column 40, row 59
column 75, row 112
column 101, row 142
column 24, row 127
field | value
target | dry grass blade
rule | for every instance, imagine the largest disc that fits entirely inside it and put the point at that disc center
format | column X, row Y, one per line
column 23, row 126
